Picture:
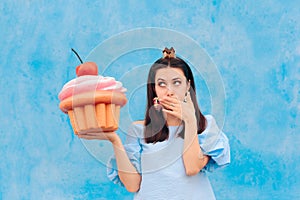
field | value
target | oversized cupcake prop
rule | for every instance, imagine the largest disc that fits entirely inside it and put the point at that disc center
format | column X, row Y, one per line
column 92, row 101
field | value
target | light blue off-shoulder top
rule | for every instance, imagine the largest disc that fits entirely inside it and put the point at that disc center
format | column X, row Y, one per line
column 161, row 166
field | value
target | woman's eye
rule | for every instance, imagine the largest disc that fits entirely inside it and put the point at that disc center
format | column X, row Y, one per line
column 177, row 82
column 161, row 84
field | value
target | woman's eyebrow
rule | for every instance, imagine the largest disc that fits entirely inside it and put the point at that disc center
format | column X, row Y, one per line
column 173, row 79
column 176, row 78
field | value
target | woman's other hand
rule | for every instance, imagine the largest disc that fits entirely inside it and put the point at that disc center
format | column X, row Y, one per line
column 183, row 110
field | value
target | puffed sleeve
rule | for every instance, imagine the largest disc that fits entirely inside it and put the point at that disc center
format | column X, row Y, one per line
column 214, row 143
column 133, row 149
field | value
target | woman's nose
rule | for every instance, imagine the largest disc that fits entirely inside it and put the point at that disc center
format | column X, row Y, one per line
column 170, row 92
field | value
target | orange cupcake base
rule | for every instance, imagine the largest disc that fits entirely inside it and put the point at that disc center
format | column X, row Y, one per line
column 94, row 111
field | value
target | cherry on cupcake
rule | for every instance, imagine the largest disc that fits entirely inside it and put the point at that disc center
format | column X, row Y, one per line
column 87, row 68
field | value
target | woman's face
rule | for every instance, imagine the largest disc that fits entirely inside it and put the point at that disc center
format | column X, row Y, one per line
column 171, row 82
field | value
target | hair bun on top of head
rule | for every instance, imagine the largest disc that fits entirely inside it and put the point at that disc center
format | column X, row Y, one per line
column 169, row 53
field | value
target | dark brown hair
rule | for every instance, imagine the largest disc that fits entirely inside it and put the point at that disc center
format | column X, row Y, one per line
column 156, row 128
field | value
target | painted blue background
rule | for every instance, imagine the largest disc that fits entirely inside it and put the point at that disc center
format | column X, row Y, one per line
column 255, row 44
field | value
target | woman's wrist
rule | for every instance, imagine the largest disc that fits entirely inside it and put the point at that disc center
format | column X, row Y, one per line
column 190, row 120
column 115, row 140
column 191, row 125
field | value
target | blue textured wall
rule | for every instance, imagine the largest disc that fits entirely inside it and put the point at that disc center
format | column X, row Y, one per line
column 254, row 44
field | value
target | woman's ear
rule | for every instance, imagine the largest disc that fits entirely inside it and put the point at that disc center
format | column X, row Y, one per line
column 188, row 85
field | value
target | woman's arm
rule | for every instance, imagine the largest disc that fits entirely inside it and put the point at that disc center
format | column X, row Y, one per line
column 193, row 157
column 126, row 171
column 128, row 175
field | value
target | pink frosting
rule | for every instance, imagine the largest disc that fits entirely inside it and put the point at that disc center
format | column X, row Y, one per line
column 89, row 83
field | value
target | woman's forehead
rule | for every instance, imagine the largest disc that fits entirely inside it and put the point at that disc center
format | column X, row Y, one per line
column 169, row 73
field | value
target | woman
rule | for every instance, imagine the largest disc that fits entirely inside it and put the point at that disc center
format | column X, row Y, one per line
column 167, row 155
